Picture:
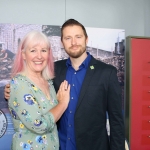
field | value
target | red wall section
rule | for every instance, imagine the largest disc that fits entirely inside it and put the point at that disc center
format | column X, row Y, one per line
column 140, row 94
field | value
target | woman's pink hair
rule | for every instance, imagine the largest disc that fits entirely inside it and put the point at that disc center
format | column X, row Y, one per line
column 34, row 38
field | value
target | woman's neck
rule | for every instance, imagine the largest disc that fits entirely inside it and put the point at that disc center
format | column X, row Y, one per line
column 36, row 75
column 40, row 83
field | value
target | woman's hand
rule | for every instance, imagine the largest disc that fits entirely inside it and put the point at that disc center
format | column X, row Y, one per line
column 63, row 97
column 63, row 94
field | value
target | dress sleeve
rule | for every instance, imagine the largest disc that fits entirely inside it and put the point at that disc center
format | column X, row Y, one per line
column 25, row 106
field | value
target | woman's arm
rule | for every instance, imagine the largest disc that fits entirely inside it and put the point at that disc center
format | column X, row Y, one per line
column 25, row 103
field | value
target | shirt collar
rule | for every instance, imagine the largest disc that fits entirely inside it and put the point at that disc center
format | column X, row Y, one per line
column 85, row 63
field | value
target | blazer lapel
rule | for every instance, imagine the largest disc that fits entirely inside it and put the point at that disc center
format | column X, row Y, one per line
column 63, row 70
column 90, row 71
column 63, row 74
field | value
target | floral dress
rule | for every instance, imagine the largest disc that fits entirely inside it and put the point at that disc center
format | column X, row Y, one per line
column 34, row 125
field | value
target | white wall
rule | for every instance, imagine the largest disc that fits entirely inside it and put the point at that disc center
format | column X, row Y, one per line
column 131, row 15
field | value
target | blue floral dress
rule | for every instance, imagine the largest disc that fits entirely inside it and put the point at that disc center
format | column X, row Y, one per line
column 35, row 128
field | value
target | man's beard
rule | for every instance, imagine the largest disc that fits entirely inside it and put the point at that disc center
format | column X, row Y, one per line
column 76, row 54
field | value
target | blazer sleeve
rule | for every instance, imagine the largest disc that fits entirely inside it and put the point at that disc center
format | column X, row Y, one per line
column 24, row 106
column 116, row 121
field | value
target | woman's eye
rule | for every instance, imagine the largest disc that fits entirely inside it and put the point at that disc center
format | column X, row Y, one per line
column 44, row 50
column 32, row 50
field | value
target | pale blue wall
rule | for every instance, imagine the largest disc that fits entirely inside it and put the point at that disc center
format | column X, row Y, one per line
column 131, row 15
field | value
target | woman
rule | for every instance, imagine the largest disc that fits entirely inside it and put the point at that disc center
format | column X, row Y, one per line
column 33, row 103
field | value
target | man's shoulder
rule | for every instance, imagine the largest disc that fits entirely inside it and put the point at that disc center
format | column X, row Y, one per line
column 60, row 62
column 101, row 63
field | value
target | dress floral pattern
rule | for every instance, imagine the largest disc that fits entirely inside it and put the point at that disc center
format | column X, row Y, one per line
column 35, row 128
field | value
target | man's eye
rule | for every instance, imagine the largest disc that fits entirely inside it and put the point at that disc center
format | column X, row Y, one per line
column 78, row 36
column 67, row 38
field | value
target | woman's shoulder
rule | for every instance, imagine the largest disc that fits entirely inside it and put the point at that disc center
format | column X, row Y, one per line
column 19, row 78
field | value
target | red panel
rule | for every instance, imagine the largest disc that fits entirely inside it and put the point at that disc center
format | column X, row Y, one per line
column 146, row 139
column 146, row 80
column 139, row 102
column 146, row 124
column 146, row 65
column 146, row 95
column 146, row 110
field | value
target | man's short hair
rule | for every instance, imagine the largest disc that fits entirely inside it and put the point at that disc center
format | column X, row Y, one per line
column 72, row 22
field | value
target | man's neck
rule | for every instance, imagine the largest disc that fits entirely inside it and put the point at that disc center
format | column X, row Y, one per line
column 76, row 62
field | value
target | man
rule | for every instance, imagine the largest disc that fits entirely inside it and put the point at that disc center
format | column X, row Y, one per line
column 94, row 91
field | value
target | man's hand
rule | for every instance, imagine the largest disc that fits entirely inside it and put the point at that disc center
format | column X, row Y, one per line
column 7, row 91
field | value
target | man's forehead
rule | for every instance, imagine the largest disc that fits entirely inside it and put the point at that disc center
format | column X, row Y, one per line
column 74, row 29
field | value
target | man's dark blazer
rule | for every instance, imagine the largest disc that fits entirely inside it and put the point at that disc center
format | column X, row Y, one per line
column 100, row 92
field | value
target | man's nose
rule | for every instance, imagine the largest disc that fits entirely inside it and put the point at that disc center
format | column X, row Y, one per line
column 73, row 41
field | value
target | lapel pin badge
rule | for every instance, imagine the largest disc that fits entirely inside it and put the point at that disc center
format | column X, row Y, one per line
column 92, row 67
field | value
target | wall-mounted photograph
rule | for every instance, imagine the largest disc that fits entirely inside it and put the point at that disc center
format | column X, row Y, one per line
column 106, row 45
